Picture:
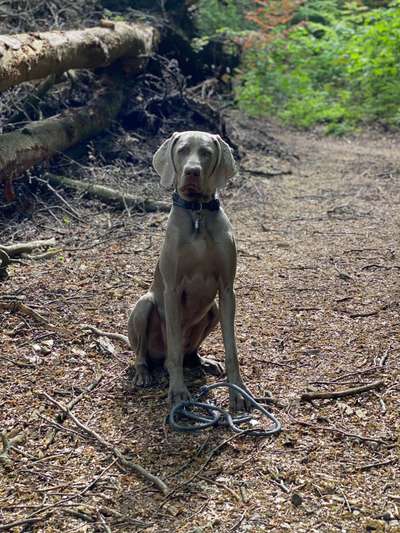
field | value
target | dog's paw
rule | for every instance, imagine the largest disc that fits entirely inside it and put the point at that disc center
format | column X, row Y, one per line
column 142, row 377
column 237, row 402
column 177, row 395
column 215, row 368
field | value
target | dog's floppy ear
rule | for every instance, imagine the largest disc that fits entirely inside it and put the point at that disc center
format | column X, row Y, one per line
column 225, row 167
column 163, row 161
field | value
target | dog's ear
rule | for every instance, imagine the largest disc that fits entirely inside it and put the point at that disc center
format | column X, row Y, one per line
column 225, row 167
column 163, row 161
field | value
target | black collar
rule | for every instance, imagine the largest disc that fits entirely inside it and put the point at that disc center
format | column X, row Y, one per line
column 212, row 205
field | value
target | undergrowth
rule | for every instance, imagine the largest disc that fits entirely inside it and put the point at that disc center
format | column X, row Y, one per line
column 332, row 63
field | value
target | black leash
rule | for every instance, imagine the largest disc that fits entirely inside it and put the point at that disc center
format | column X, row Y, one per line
column 216, row 416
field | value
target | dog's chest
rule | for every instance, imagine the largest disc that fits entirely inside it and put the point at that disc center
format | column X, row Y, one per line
column 198, row 266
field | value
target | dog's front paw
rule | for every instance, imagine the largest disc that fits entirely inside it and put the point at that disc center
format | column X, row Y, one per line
column 142, row 377
column 178, row 394
column 237, row 402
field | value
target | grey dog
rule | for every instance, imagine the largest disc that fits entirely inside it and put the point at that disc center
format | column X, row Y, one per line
column 197, row 261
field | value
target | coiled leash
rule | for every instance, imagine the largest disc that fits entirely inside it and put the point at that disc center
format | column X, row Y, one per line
column 216, row 416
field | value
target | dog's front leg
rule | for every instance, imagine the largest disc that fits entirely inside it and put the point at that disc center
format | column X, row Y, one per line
column 174, row 361
column 227, row 306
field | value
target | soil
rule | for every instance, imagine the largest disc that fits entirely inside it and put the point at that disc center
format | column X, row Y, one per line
column 317, row 227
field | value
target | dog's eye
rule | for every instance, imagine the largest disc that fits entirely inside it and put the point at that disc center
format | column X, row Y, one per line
column 183, row 149
column 205, row 153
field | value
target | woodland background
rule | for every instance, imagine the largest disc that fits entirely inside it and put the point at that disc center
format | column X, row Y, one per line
column 307, row 94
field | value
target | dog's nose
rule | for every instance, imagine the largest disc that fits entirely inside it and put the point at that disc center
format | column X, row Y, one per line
column 192, row 172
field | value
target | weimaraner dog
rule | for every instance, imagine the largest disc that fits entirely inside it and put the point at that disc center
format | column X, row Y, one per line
column 197, row 261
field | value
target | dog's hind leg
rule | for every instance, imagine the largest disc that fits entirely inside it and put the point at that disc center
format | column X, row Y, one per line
column 192, row 358
column 138, row 331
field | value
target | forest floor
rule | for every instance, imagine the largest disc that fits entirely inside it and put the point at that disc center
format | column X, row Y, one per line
column 317, row 309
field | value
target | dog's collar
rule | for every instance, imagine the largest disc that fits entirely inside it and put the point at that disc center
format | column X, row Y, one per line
column 212, row 205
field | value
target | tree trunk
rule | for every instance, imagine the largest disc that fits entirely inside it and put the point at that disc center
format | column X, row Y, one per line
column 31, row 56
column 38, row 141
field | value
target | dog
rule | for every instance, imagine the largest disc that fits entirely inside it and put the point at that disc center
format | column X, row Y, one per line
column 197, row 261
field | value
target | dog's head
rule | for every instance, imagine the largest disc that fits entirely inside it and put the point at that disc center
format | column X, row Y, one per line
column 197, row 163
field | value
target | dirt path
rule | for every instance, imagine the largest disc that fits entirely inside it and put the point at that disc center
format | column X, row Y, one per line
column 318, row 306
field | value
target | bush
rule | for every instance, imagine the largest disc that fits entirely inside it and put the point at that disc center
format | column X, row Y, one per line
column 329, row 66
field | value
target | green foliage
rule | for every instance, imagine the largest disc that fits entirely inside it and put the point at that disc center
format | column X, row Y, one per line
column 214, row 18
column 339, row 67
column 214, row 15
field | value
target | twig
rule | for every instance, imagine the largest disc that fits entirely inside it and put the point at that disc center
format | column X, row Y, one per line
column 23, row 522
column 60, row 418
column 16, row 305
column 16, row 363
column 238, row 522
column 307, row 396
column 385, row 356
column 340, row 431
column 203, row 466
column 220, row 484
column 101, row 333
column 96, row 479
column 362, row 468
column 117, row 453
column 73, row 211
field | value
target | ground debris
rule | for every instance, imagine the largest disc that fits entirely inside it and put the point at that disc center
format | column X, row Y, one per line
column 342, row 463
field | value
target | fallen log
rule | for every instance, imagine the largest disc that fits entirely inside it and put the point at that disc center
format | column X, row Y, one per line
column 40, row 140
column 31, row 56
column 108, row 195
column 19, row 248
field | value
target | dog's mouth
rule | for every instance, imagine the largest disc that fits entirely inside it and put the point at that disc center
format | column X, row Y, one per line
column 191, row 191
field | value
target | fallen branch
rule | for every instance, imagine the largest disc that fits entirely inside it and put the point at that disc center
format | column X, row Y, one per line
column 308, row 396
column 267, row 173
column 23, row 522
column 16, row 306
column 117, row 453
column 61, row 417
column 31, row 56
column 14, row 250
column 340, row 432
column 101, row 333
column 108, row 195
column 33, row 516
column 369, row 466
column 203, row 466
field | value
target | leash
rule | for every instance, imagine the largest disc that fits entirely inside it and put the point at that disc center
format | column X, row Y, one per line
column 216, row 416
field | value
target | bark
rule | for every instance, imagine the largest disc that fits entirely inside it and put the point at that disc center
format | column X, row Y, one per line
column 108, row 195
column 39, row 141
column 31, row 56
